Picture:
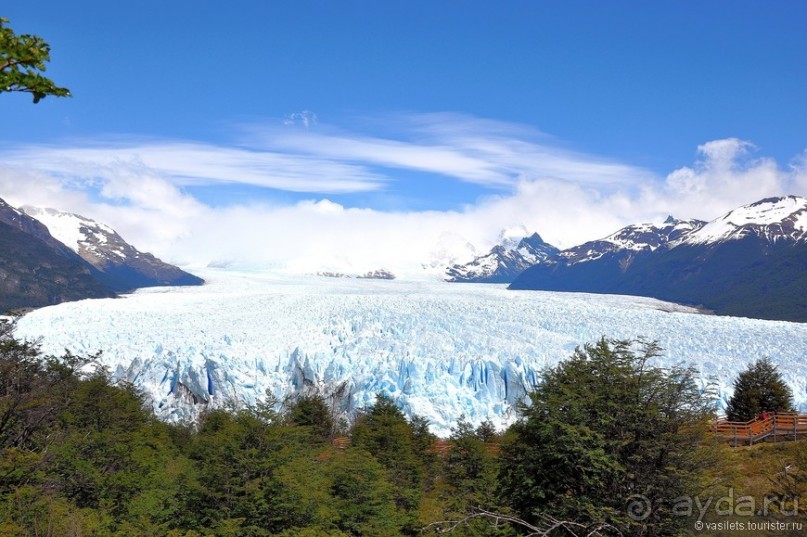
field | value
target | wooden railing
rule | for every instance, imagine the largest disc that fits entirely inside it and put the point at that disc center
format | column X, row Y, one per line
column 783, row 425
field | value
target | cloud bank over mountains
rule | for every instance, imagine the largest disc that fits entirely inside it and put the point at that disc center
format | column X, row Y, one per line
column 320, row 197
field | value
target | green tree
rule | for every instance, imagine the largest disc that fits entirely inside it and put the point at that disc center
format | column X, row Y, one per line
column 362, row 496
column 470, row 470
column 22, row 60
column 385, row 433
column 422, row 447
column 299, row 494
column 24, row 400
column 470, row 481
column 81, row 455
column 115, row 458
column 486, row 431
column 760, row 387
column 603, row 426
column 236, row 454
column 312, row 411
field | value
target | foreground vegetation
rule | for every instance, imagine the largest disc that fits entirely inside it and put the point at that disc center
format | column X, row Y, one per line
column 23, row 59
column 81, row 455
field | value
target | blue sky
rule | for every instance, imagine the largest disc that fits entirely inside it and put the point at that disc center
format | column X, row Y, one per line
column 467, row 116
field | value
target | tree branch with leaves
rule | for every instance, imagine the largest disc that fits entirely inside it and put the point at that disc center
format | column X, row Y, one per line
column 22, row 61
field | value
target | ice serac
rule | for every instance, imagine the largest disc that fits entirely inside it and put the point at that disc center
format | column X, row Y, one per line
column 505, row 261
column 750, row 262
column 440, row 350
column 120, row 265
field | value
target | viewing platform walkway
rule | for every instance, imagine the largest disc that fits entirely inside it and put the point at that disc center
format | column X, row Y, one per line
column 777, row 426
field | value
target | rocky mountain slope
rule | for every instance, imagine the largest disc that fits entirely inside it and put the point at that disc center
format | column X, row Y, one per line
column 37, row 270
column 69, row 257
column 120, row 265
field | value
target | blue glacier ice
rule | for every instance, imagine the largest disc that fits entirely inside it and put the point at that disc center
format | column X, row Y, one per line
column 441, row 350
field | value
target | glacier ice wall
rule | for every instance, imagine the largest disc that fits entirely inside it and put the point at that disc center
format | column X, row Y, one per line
column 440, row 350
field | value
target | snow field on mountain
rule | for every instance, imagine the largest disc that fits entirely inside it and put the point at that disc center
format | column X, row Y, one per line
column 65, row 227
column 441, row 350
column 765, row 213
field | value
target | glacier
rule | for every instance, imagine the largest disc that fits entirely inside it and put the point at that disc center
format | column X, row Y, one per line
column 441, row 350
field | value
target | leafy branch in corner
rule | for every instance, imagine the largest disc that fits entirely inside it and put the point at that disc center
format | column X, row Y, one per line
column 22, row 60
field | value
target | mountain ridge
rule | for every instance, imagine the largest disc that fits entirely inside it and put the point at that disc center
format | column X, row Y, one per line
column 752, row 261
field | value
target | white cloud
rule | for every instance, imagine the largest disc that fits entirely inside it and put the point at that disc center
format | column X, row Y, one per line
column 467, row 149
column 798, row 170
column 306, row 118
column 568, row 197
column 723, row 177
column 185, row 163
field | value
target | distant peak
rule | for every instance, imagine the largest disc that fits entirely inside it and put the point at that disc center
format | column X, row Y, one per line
column 533, row 240
column 534, row 237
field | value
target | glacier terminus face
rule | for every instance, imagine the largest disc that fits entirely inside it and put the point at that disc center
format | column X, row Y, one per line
column 440, row 350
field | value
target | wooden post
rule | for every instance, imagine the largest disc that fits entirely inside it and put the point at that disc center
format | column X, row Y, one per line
column 775, row 439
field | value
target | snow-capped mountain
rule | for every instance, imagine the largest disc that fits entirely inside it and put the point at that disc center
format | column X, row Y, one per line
column 121, row 266
column 87, row 238
column 31, row 226
column 751, row 262
column 509, row 258
column 36, row 269
column 440, row 350
column 772, row 220
column 598, row 265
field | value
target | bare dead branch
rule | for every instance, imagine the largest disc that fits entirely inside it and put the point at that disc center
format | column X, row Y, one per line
column 550, row 524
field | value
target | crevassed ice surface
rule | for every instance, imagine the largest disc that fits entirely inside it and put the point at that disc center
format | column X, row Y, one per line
column 440, row 349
